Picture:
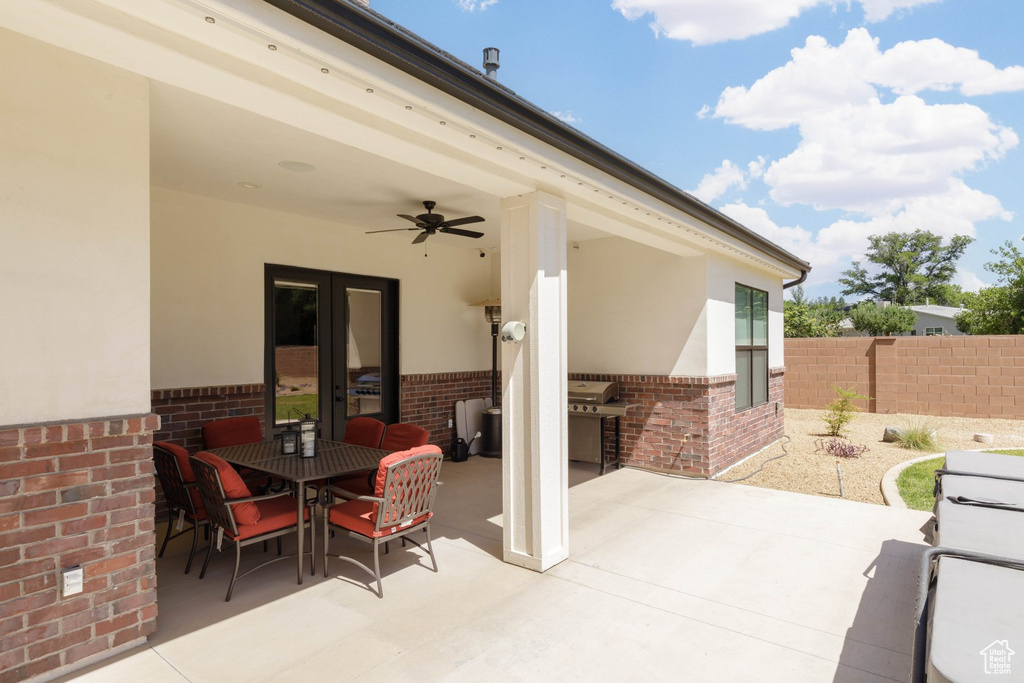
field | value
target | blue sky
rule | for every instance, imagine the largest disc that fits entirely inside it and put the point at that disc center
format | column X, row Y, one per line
column 814, row 122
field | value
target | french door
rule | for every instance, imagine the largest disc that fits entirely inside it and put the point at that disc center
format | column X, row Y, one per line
column 331, row 345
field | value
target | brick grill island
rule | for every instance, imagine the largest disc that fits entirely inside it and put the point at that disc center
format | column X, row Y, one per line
column 689, row 425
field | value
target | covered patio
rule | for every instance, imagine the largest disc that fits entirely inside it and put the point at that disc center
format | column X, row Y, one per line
column 174, row 163
column 668, row 578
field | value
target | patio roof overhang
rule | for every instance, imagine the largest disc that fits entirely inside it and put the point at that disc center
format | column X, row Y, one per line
column 388, row 120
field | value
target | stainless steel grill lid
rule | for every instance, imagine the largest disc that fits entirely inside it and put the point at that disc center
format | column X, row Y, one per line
column 592, row 392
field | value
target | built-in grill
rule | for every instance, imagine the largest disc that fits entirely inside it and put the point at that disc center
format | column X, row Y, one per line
column 590, row 403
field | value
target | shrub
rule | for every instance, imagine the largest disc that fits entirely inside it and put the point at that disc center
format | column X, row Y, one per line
column 839, row 448
column 882, row 321
column 918, row 437
column 840, row 412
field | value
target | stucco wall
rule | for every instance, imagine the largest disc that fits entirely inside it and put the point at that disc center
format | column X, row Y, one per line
column 74, row 236
column 208, row 268
column 637, row 310
column 723, row 276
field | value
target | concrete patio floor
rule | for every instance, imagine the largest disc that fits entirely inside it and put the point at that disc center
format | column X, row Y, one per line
column 668, row 579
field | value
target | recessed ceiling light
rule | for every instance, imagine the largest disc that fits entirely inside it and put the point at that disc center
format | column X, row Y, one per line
column 211, row 20
column 369, row 90
column 408, row 107
column 271, row 47
column 325, row 70
column 297, row 166
column 249, row 186
column 443, row 123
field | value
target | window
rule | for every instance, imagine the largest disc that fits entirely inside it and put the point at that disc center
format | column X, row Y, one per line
column 932, row 331
column 751, row 347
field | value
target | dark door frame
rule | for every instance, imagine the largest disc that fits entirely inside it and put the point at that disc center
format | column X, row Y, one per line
column 332, row 343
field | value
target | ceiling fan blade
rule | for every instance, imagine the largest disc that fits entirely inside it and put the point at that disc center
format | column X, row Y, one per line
column 421, row 238
column 373, row 232
column 409, row 218
column 462, row 233
column 465, row 221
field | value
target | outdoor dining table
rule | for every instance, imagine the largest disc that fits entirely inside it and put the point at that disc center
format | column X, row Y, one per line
column 332, row 459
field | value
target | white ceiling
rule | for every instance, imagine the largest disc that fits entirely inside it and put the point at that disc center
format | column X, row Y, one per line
column 205, row 147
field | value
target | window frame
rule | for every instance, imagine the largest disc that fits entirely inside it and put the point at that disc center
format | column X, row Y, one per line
column 747, row 402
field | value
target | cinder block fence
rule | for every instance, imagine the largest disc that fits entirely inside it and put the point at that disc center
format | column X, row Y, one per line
column 948, row 376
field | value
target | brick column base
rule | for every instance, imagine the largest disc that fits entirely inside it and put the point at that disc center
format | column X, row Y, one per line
column 75, row 494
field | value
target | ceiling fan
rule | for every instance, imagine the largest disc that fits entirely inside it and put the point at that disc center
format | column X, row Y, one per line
column 431, row 223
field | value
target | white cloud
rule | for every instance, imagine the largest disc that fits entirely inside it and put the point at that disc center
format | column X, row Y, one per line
column 475, row 5
column 703, row 22
column 876, row 158
column 820, row 77
column 833, row 247
column 880, row 10
column 566, row 116
column 859, row 153
column 713, row 185
column 968, row 280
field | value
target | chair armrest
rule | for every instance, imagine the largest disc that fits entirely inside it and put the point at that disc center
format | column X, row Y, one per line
column 348, row 495
column 252, row 499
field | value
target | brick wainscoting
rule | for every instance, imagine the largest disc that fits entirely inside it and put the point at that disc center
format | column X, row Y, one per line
column 183, row 412
column 429, row 400
column 689, row 424
column 77, row 493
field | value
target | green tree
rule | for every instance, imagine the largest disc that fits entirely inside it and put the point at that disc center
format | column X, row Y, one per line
column 998, row 309
column 911, row 268
column 882, row 321
column 812, row 318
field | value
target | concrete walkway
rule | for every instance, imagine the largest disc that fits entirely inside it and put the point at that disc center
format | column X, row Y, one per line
column 668, row 579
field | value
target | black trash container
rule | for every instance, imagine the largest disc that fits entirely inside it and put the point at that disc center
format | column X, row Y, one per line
column 491, row 447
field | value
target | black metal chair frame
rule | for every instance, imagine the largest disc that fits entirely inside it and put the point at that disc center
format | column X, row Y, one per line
column 403, row 501
column 178, row 495
column 221, row 520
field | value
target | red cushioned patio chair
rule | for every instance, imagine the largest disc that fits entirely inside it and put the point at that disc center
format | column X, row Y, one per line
column 183, row 501
column 402, row 436
column 237, row 431
column 232, row 431
column 402, row 503
column 364, row 431
column 242, row 518
column 361, row 431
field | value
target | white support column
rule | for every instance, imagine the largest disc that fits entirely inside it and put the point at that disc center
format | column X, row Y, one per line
column 534, row 382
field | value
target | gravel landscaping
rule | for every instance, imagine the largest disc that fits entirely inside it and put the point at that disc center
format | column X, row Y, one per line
column 807, row 471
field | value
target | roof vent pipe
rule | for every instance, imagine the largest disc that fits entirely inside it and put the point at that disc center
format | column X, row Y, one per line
column 491, row 64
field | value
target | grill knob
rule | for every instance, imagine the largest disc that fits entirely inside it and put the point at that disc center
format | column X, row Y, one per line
column 593, row 409
column 575, row 408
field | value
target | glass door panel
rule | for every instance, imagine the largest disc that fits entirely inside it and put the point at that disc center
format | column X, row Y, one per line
column 363, row 338
column 296, row 351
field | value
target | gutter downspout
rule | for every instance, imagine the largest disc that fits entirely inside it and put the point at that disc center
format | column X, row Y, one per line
column 798, row 281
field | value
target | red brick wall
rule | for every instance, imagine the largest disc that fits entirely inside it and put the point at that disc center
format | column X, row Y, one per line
column 689, row 424
column 78, row 493
column 737, row 435
column 183, row 412
column 295, row 361
column 429, row 400
column 962, row 376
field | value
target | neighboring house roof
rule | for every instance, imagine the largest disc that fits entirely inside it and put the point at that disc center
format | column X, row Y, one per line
column 374, row 34
column 938, row 311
